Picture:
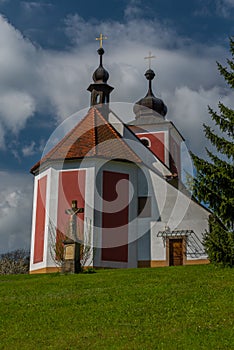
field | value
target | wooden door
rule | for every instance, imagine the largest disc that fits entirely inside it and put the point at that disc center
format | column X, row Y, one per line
column 176, row 252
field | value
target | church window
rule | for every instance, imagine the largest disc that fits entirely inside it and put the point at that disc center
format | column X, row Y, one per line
column 144, row 207
column 98, row 98
column 146, row 142
column 175, row 155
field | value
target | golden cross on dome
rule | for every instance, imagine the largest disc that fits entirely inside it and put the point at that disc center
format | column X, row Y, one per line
column 149, row 58
column 101, row 38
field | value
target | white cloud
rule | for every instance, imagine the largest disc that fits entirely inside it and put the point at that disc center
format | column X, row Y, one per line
column 37, row 80
column 29, row 150
column 65, row 78
column 224, row 7
column 15, row 108
column 226, row 3
column 133, row 9
column 17, row 64
column 190, row 112
column 15, row 211
column 32, row 6
column 229, row 2
column 135, row 31
column 2, row 141
column 220, row 8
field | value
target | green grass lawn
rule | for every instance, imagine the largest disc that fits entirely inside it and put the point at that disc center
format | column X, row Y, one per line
column 187, row 307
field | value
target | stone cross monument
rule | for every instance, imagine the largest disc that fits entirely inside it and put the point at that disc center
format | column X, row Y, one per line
column 71, row 243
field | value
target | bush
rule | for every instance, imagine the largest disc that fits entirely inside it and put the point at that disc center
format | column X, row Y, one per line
column 14, row 262
column 89, row 270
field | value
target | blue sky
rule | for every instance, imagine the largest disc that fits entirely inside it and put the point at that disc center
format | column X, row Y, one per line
column 48, row 55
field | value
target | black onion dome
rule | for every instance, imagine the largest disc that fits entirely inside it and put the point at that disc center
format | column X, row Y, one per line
column 100, row 75
column 150, row 102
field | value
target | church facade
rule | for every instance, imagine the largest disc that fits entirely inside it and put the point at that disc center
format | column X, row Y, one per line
column 132, row 209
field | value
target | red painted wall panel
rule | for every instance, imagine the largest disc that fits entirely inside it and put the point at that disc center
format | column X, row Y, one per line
column 175, row 158
column 40, row 220
column 157, row 141
column 115, row 217
column 71, row 187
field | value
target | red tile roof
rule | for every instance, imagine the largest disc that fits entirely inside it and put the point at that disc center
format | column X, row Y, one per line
column 93, row 136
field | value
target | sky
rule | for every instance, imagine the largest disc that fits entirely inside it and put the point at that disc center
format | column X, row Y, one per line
column 47, row 58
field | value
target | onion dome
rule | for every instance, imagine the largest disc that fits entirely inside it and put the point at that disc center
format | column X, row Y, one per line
column 100, row 90
column 150, row 103
column 100, row 75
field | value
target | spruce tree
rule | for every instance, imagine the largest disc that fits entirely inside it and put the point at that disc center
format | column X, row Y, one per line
column 214, row 182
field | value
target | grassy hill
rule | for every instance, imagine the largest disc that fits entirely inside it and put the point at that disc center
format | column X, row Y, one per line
column 187, row 307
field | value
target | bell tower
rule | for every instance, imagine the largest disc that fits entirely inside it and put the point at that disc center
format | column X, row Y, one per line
column 100, row 90
column 154, row 130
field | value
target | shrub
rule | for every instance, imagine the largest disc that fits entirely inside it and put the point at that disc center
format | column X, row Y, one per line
column 219, row 244
column 14, row 262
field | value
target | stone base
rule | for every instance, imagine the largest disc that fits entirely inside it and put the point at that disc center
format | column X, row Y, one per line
column 161, row 263
column 198, row 262
column 68, row 266
column 71, row 266
column 46, row 270
column 152, row 263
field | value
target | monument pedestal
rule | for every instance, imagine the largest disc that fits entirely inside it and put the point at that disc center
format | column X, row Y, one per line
column 71, row 263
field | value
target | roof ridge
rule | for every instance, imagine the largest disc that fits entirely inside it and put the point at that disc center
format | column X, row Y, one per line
column 52, row 151
column 93, row 130
column 112, row 129
column 109, row 125
column 64, row 139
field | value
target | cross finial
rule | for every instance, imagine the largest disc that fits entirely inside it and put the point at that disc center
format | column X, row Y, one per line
column 101, row 38
column 149, row 58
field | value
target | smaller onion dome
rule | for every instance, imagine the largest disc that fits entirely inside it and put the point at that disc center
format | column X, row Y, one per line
column 150, row 103
column 100, row 75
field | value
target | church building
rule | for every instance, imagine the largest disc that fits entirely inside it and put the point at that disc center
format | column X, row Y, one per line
column 120, row 186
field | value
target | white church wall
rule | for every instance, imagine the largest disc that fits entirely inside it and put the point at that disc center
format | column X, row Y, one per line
column 143, row 243
column 97, row 239
column 169, row 207
column 158, row 247
column 178, row 212
column 40, row 265
column 166, row 147
column 33, row 222
column 145, row 189
column 52, row 219
column 89, row 209
column 197, row 219
column 51, row 207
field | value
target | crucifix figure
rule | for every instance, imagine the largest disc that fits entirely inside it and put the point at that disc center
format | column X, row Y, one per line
column 101, row 38
column 149, row 58
column 73, row 212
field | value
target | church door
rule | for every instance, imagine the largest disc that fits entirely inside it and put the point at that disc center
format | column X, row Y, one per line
column 176, row 252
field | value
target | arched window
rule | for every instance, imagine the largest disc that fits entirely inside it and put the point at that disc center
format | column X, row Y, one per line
column 98, row 99
column 146, row 142
column 175, row 154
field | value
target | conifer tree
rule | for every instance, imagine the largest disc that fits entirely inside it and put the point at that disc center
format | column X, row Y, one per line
column 214, row 182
